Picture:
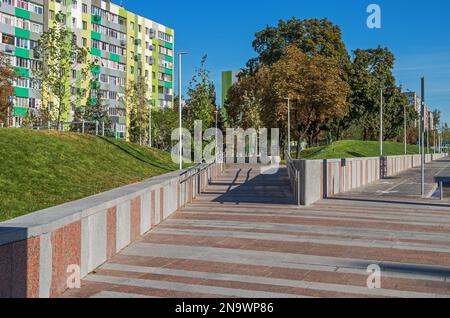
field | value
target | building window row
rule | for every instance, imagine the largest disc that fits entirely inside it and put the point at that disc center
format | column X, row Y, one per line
column 165, row 50
column 164, row 77
column 20, row 23
column 108, row 47
column 166, row 64
column 112, row 64
column 27, row 102
column 25, row 5
column 18, row 42
column 26, row 83
column 25, row 63
column 109, row 32
column 109, row 95
column 165, row 37
column 112, row 80
column 111, row 17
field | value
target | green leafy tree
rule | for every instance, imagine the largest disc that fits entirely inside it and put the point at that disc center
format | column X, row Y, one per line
column 60, row 55
column 201, row 101
column 311, row 36
column 138, row 106
column 8, row 73
column 97, row 109
column 164, row 122
column 370, row 73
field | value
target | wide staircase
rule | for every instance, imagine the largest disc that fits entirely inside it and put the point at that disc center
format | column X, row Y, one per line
column 245, row 237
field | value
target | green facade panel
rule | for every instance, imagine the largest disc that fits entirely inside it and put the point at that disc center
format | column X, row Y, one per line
column 20, row 111
column 97, row 19
column 96, row 36
column 114, row 57
column 22, row 92
column 22, row 52
column 169, row 58
column 21, row 33
column 21, row 13
column 168, row 71
column 168, row 45
column 168, row 84
column 23, row 72
column 96, row 52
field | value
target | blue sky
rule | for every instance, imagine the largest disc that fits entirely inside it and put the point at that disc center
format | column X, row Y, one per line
column 417, row 31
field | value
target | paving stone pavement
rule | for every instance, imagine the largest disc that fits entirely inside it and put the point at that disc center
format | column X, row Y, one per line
column 408, row 184
column 243, row 237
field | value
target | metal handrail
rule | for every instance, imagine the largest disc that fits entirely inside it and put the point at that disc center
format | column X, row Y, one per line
column 294, row 177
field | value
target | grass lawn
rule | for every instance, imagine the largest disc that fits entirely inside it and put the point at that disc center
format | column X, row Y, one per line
column 40, row 169
column 355, row 149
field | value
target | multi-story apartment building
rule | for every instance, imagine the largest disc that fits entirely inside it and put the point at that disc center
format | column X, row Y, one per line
column 415, row 101
column 123, row 47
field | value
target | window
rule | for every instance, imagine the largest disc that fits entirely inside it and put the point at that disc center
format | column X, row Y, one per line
column 165, row 37
column 84, row 25
column 7, row 39
column 84, row 41
column 84, row 8
column 166, row 51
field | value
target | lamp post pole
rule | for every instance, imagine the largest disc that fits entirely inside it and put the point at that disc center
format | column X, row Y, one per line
column 422, row 135
column 180, row 150
column 381, row 123
column 404, row 128
column 289, row 124
column 217, row 127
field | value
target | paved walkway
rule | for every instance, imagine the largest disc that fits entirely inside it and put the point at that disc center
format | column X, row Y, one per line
column 244, row 238
column 407, row 184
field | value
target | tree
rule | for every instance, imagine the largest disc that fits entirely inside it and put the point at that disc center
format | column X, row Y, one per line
column 371, row 72
column 244, row 104
column 317, row 91
column 311, row 36
column 314, row 85
column 138, row 106
column 60, row 55
column 201, row 101
column 96, row 109
column 164, row 122
column 7, row 75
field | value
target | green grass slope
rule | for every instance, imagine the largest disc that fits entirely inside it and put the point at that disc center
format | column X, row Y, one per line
column 356, row 149
column 40, row 169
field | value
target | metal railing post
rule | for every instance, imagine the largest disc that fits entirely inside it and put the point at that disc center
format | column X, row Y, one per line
column 103, row 128
column 82, row 126
column 96, row 127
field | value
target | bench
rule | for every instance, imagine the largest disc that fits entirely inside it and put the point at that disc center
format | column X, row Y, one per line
column 441, row 180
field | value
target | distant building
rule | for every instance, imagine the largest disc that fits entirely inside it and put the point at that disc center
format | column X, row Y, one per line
column 415, row 101
column 228, row 79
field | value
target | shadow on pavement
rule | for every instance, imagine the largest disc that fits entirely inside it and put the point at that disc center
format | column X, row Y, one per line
column 263, row 188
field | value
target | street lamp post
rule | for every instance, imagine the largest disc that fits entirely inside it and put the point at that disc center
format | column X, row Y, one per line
column 381, row 123
column 180, row 150
column 404, row 128
column 422, row 135
column 289, row 124
column 217, row 127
